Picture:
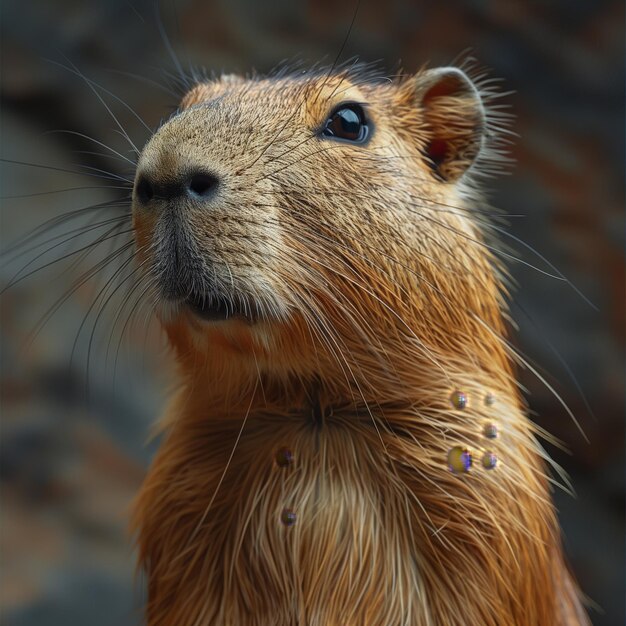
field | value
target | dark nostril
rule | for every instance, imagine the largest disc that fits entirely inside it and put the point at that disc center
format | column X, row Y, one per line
column 201, row 185
column 144, row 190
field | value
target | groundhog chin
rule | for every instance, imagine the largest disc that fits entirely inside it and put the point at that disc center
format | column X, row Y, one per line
column 218, row 330
column 221, row 308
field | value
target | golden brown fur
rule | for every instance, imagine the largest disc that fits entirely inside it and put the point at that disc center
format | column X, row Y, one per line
column 378, row 299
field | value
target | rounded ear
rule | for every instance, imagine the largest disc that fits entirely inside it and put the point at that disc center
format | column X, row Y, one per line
column 453, row 119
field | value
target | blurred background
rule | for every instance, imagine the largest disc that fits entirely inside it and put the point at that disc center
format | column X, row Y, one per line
column 78, row 405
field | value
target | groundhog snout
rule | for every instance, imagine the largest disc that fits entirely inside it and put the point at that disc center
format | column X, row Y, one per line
column 204, row 224
column 186, row 165
column 197, row 186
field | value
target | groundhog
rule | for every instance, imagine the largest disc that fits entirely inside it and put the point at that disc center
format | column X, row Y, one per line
column 347, row 444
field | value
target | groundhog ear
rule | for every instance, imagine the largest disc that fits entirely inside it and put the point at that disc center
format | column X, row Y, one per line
column 210, row 89
column 453, row 120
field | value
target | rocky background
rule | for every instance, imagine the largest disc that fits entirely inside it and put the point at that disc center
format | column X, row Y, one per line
column 77, row 407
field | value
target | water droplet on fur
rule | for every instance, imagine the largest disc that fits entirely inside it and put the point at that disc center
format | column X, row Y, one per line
column 490, row 399
column 490, row 431
column 458, row 399
column 459, row 460
column 283, row 457
column 489, row 460
column 288, row 517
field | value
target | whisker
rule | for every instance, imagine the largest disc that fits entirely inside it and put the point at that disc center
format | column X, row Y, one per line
column 110, row 174
column 560, row 275
column 518, row 357
column 78, row 283
column 278, row 134
column 117, row 315
column 95, row 302
column 93, row 89
column 516, row 354
column 228, row 462
column 130, row 316
column 422, row 215
column 388, row 308
column 184, row 79
column 60, row 219
column 560, row 358
column 53, row 191
column 96, row 141
column 107, row 175
column 341, row 49
column 81, row 230
column 147, row 81
column 105, row 237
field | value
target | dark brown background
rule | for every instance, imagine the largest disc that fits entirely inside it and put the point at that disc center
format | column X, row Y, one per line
column 73, row 446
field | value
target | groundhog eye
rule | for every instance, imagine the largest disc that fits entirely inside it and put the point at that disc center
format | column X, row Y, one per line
column 347, row 122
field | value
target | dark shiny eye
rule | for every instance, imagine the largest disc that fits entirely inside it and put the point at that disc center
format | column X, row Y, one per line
column 347, row 122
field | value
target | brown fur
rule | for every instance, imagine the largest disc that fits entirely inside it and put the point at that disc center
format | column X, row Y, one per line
column 379, row 298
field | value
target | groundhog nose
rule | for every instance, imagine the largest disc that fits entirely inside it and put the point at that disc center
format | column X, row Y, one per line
column 197, row 185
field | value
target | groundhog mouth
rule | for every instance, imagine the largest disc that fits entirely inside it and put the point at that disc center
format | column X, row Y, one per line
column 217, row 308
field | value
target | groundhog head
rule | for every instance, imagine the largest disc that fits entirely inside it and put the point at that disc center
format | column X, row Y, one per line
column 321, row 217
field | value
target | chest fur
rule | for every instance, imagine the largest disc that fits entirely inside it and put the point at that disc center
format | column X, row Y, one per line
column 289, row 522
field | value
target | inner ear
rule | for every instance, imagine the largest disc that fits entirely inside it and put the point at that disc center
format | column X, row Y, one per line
column 453, row 121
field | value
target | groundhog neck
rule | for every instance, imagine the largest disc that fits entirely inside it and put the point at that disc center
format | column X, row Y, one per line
column 360, row 383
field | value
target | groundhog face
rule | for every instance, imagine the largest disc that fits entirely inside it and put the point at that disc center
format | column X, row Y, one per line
column 334, row 206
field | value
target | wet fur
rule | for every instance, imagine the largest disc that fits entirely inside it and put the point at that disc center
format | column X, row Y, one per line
column 377, row 298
